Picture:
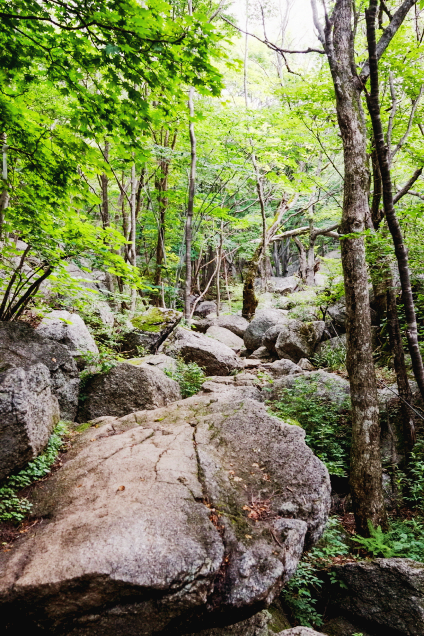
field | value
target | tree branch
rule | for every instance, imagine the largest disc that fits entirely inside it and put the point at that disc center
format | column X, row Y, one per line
column 406, row 188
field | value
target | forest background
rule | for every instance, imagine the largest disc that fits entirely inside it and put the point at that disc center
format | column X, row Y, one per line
column 163, row 145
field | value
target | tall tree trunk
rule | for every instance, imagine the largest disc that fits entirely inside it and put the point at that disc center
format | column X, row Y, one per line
column 133, row 232
column 190, row 204
column 4, row 196
column 389, row 210
column 366, row 470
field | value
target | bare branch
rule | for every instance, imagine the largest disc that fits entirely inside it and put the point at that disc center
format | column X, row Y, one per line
column 410, row 122
column 406, row 188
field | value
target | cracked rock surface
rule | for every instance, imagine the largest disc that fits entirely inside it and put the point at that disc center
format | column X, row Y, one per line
column 167, row 522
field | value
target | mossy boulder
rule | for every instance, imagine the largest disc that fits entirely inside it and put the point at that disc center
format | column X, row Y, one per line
column 151, row 329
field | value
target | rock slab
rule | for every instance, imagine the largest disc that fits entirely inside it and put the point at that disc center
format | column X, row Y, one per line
column 126, row 388
column 225, row 336
column 22, row 346
column 28, row 413
column 168, row 521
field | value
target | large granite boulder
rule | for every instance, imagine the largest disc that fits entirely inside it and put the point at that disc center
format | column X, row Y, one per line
column 168, row 521
column 333, row 344
column 225, row 336
column 338, row 316
column 387, row 594
column 298, row 339
column 151, row 329
column 125, row 388
column 158, row 360
column 283, row 284
column 28, row 414
column 22, row 346
column 236, row 324
column 70, row 330
column 213, row 356
column 264, row 319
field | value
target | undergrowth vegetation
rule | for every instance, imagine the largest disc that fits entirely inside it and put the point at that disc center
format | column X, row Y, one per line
column 15, row 508
column 325, row 419
column 189, row 376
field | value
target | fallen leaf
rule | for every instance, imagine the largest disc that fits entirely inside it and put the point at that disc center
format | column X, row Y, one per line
column 248, row 536
column 231, row 472
column 53, row 359
column 121, row 488
column 238, row 479
column 246, row 508
column 79, row 485
column 255, row 465
column 159, row 419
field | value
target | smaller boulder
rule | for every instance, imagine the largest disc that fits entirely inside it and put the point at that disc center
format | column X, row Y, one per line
column 205, row 308
column 213, row 356
column 300, row 631
column 70, row 330
column 262, row 353
column 28, row 413
column 283, row 285
column 151, row 329
column 270, row 337
column 305, row 365
column 332, row 343
column 283, row 367
column 328, row 385
column 264, row 319
column 235, row 324
column 298, row 339
column 225, row 336
column 337, row 313
column 125, row 389
column 158, row 360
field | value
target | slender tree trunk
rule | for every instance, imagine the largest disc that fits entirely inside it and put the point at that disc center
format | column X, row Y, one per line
column 218, row 271
column 190, row 206
column 4, row 196
column 389, row 210
column 133, row 232
column 302, row 258
column 276, row 255
column 366, row 470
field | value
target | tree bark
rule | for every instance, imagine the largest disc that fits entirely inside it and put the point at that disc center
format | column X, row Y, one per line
column 190, row 207
column 366, row 470
column 373, row 102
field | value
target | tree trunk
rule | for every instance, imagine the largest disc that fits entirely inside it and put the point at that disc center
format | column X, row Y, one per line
column 190, row 207
column 250, row 302
column 389, row 210
column 366, row 470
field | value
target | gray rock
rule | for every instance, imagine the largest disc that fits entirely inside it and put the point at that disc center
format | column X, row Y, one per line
column 225, row 336
column 300, row 631
column 386, row 593
column 255, row 626
column 205, row 308
column 126, row 388
column 23, row 347
column 328, row 385
column 270, row 337
column 238, row 391
column 150, row 523
column 337, row 313
column 28, row 413
column 298, row 339
column 70, row 330
column 235, row 324
column 283, row 285
column 340, row 626
column 280, row 368
column 151, row 329
column 262, row 353
column 158, row 360
column 213, row 356
column 305, row 365
column 264, row 319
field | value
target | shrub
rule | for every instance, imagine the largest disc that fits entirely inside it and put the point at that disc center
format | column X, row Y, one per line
column 298, row 594
column 189, row 376
column 325, row 421
column 15, row 508
column 405, row 538
column 331, row 358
